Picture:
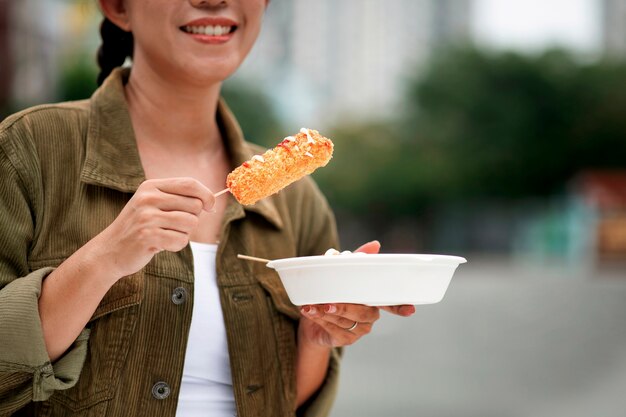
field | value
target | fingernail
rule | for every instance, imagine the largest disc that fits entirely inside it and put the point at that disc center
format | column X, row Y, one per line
column 305, row 309
column 329, row 308
column 312, row 311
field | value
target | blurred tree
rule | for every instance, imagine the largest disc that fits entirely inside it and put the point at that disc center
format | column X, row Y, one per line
column 368, row 172
column 507, row 125
column 255, row 112
column 78, row 78
column 484, row 125
column 479, row 130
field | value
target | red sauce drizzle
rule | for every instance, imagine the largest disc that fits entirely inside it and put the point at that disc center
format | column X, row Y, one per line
column 283, row 144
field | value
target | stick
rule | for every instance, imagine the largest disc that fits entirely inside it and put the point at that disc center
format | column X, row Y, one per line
column 253, row 258
column 224, row 191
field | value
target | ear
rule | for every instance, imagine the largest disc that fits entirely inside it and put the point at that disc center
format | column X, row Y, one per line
column 116, row 12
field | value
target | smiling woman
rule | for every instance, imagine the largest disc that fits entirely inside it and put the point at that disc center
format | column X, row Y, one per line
column 120, row 290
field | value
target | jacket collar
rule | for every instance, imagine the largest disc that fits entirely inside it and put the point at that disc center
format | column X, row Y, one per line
column 112, row 159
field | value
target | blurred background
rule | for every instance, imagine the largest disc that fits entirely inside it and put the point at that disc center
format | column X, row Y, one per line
column 490, row 129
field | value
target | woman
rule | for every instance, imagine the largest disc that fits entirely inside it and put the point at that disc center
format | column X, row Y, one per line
column 120, row 290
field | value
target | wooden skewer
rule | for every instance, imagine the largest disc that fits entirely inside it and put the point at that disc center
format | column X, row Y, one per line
column 224, row 191
column 253, row 258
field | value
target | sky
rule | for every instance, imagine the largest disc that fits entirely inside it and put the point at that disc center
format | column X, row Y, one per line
column 535, row 24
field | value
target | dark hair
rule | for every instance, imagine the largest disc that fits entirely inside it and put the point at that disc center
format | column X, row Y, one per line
column 117, row 45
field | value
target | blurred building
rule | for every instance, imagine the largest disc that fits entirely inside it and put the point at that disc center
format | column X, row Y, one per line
column 31, row 41
column 5, row 56
column 37, row 40
column 326, row 60
column 614, row 26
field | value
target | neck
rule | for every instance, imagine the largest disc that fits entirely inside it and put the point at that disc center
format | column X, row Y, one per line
column 172, row 115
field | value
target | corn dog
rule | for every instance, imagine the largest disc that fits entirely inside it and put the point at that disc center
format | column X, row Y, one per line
column 292, row 159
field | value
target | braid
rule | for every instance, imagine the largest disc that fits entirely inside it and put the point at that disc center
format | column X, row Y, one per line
column 116, row 46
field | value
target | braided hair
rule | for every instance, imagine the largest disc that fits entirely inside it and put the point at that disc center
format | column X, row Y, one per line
column 117, row 45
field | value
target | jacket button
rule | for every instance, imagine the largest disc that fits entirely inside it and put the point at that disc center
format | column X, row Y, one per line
column 161, row 390
column 179, row 296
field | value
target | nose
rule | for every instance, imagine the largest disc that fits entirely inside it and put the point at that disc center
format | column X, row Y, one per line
column 208, row 3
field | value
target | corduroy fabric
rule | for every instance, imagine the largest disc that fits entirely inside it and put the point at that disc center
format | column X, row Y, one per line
column 66, row 171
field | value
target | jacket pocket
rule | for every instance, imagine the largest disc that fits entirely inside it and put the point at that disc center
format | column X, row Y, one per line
column 111, row 328
column 270, row 281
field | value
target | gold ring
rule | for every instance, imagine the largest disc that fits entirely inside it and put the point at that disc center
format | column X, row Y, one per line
column 353, row 326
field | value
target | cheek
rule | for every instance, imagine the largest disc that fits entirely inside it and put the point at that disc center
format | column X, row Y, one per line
column 253, row 22
column 151, row 16
column 254, row 9
column 256, row 13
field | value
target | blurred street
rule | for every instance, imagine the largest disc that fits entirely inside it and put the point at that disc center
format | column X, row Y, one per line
column 506, row 341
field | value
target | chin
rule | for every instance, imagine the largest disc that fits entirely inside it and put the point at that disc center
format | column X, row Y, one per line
column 209, row 80
column 210, row 73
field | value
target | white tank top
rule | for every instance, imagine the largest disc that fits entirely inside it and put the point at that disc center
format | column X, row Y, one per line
column 206, row 389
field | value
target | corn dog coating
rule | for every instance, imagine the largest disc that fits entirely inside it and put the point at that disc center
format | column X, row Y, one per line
column 290, row 160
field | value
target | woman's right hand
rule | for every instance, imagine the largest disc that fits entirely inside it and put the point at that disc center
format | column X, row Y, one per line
column 161, row 215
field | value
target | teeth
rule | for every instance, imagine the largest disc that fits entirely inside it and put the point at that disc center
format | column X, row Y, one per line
column 209, row 30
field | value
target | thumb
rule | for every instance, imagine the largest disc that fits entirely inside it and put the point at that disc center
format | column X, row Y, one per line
column 369, row 247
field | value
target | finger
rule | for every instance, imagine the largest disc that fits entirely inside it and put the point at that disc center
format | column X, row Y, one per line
column 155, row 198
column 317, row 312
column 402, row 310
column 172, row 202
column 350, row 312
column 178, row 221
column 369, row 247
column 148, row 224
column 188, row 187
column 169, row 240
column 336, row 335
column 354, row 312
column 360, row 328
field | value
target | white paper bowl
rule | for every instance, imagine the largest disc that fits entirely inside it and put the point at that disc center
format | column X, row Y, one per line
column 372, row 279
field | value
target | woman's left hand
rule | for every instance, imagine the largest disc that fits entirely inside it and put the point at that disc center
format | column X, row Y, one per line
column 342, row 324
column 336, row 324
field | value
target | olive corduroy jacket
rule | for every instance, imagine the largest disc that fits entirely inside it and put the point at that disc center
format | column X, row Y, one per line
column 66, row 171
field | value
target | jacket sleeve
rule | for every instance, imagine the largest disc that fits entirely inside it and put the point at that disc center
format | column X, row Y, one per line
column 319, row 233
column 26, row 373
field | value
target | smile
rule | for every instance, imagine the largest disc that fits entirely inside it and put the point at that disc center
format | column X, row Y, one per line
column 209, row 30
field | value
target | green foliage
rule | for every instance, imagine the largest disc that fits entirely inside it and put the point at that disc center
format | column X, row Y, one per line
column 254, row 111
column 374, row 173
column 78, row 78
column 481, row 125
column 507, row 125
